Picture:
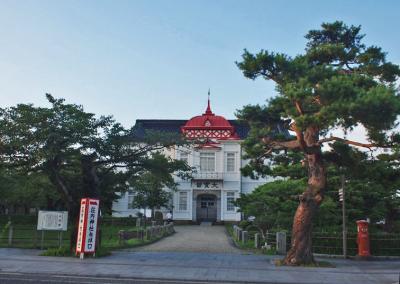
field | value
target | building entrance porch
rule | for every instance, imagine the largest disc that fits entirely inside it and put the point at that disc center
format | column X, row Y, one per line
column 206, row 208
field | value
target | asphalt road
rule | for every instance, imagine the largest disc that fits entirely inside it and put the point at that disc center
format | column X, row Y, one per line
column 28, row 278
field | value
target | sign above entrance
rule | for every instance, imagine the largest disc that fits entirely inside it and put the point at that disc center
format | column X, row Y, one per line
column 207, row 185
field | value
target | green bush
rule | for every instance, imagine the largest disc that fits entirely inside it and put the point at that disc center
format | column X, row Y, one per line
column 65, row 251
column 158, row 216
column 19, row 219
column 118, row 221
column 244, row 224
column 62, row 251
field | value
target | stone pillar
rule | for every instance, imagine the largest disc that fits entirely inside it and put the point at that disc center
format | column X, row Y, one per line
column 239, row 238
column 121, row 237
column 141, row 234
column 10, row 235
column 245, row 236
column 257, row 240
column 281, row 242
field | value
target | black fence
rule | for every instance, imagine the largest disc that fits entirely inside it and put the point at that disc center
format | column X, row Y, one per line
column 381, row 244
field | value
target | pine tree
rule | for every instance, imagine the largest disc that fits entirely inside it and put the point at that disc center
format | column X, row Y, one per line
column 337, row 82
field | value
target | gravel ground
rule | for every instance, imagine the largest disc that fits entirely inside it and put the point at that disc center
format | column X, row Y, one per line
column 210, row 239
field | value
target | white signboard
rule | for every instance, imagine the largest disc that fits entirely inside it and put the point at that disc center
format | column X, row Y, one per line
column 87, row 226
column 91, row 228
column 52, row 221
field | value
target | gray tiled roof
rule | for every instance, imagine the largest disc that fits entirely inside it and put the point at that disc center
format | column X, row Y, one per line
column 174, row 126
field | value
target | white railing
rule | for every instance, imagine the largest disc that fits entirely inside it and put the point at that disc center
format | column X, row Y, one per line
column 208, row 176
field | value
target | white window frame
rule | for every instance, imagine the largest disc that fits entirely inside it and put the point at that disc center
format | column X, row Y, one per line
column 227, row 158
column 183, row 195
column 210, row 166
column 184, row 156
column 131, row 197
column 230, row 197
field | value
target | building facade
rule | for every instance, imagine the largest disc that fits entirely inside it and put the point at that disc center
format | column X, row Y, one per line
column 216, row 154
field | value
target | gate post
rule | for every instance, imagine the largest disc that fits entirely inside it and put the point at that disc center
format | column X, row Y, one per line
column 257, row 240
column 10, row 235
column 245, row 236
column 281, row 242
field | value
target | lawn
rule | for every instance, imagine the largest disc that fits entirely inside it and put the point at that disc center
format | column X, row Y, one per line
column 25, row 234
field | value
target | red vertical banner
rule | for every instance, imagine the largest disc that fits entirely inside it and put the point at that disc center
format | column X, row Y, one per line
column 81, row 226
column 87, row 226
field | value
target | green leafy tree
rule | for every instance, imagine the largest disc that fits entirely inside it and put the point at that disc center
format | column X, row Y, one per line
column 153, row 189
column 337, row 82
column 81, row 155
column 272, row 204
column 372, row 184
column 19, row 191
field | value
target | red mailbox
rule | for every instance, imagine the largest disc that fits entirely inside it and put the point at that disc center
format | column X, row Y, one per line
column 363, row 239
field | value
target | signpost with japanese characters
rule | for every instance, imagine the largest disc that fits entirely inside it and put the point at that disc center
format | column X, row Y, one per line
column 87, row 227
column 52, row 221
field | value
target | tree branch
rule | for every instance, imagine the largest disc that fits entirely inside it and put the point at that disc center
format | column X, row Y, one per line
column 299, row 135
column 350, row 142
column 298, row 107
column 280, row 145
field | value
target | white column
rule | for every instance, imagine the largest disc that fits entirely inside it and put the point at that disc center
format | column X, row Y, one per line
column 222, row 204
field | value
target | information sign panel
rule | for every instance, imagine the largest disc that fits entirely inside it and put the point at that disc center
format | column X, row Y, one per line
column 52, row 220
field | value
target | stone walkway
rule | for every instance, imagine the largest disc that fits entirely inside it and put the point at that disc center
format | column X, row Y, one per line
column 210, row 239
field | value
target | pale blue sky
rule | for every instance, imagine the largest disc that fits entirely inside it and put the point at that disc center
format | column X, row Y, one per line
column 157, row 59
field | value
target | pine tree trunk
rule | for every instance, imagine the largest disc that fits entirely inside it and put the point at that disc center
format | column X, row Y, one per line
column 301, row 245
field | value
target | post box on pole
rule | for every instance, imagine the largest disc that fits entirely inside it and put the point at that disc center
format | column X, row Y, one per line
column 363, row 240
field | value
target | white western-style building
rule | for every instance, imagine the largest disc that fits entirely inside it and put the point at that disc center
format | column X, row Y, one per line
column 217, row 181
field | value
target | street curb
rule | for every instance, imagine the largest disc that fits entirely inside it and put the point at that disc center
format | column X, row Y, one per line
column 116, row 277
column 372, row 257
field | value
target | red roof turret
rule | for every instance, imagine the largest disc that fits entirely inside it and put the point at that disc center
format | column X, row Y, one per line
column 209, row 125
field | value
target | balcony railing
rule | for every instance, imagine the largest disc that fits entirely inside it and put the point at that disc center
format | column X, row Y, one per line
column 208, row 176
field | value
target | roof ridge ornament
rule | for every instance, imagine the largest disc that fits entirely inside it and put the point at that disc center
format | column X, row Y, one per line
column 208, row 110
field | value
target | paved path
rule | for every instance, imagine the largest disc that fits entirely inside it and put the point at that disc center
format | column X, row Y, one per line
column 211, row 239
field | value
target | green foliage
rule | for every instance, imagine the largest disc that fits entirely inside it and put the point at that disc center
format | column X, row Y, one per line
column 62, row 251
column 372, row 184
column 244, row 224
column 272, row 204
column 64, row 149
column 158, row 216
column 337, row 82
column 372, row 191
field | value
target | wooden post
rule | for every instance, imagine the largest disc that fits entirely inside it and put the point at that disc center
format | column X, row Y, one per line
column 35, row 239
column 344, row 220
column 257, row 240
column 59, row 239
column 245, row 236
column 10, row 235
column 281, row 242
column 42, row 240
